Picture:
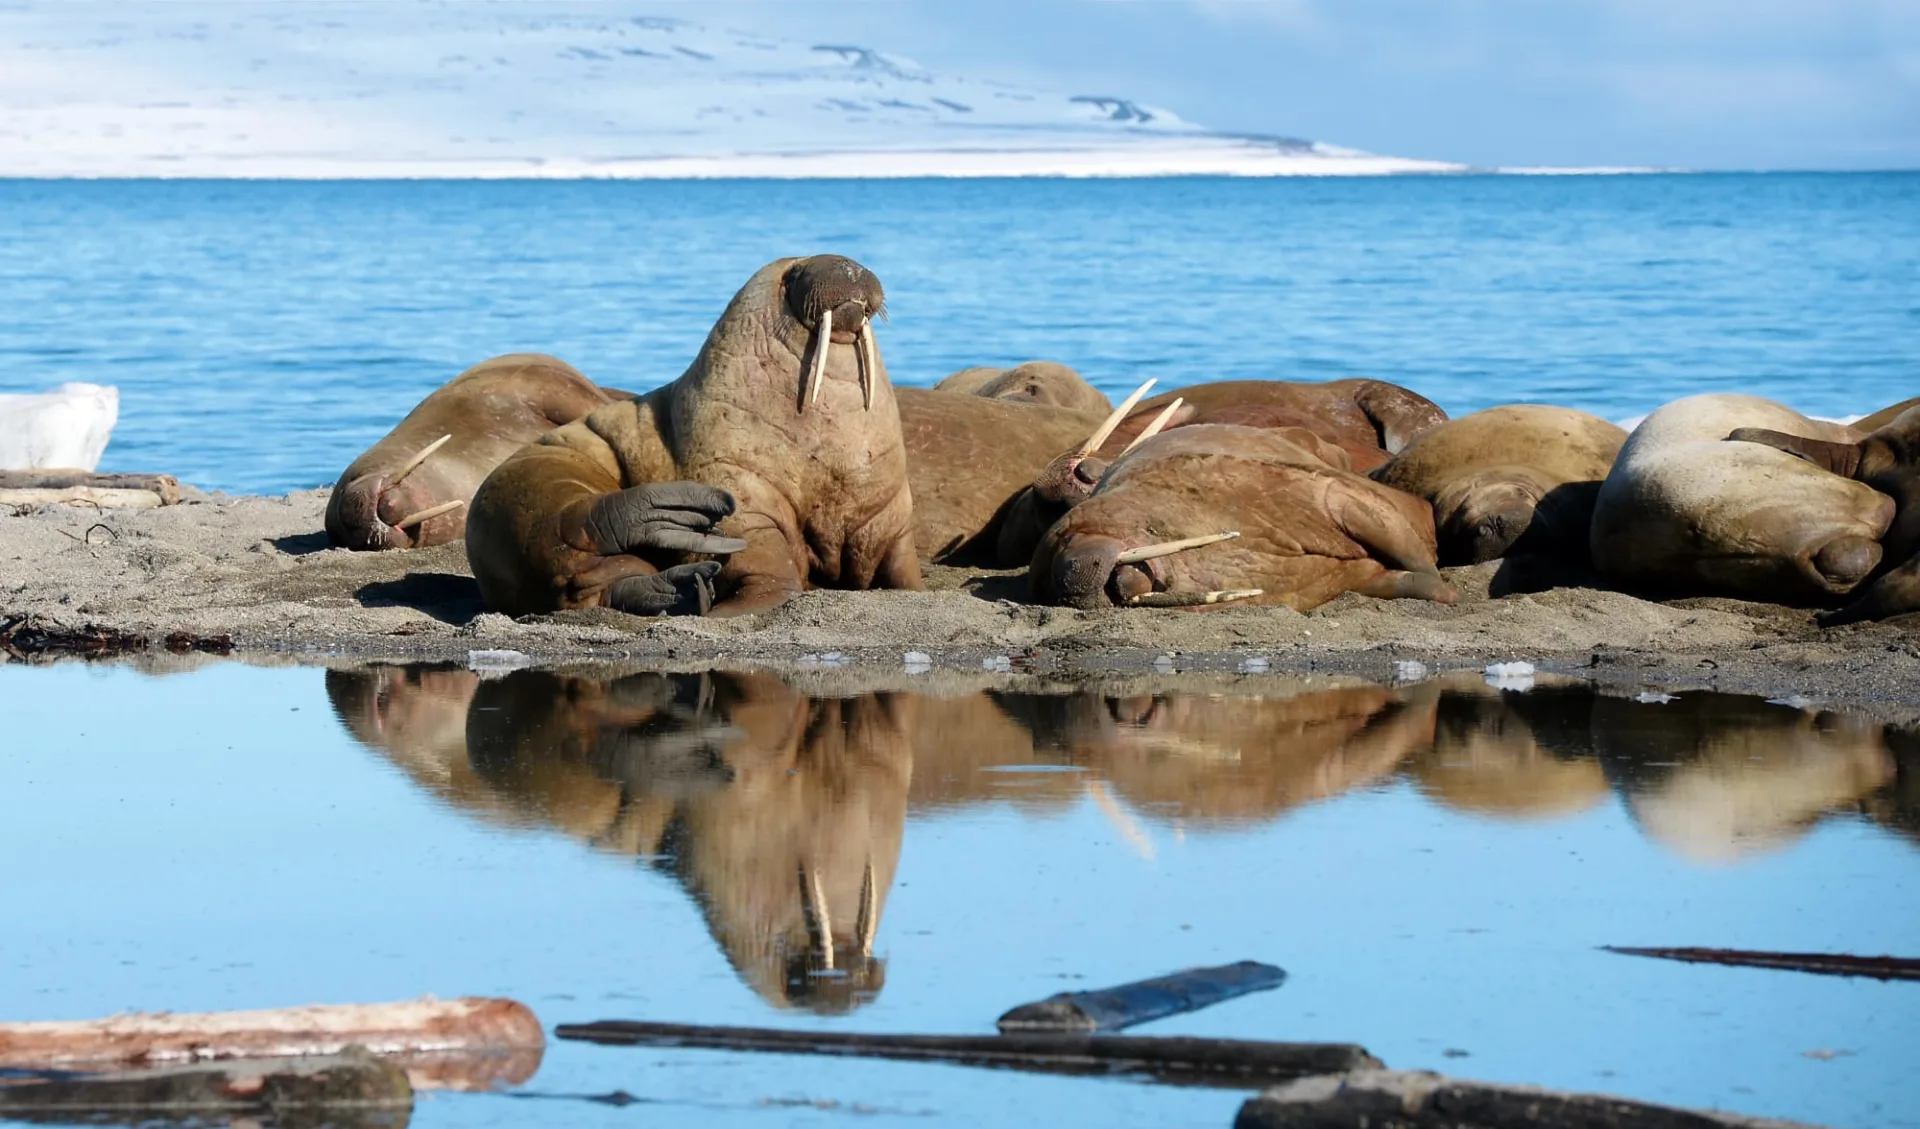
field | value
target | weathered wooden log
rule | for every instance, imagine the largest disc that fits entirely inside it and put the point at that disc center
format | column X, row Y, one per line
column 165, row 486
column 1825, row 964
column 1115, row 1009
column 1401, row 1099
column 1179, row 1061
column 353, row 1089
column 463, row 1044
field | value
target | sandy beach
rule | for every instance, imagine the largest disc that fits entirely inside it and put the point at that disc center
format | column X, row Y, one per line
column 260, row 571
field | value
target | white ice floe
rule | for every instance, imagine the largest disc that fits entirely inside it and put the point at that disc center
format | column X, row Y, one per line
column 553, row 88
column 999, row 663
column 1409, row 670
column 67, row 427
column 497, row 662
column 1651, row 697
column 1254, row 664
column 1510, row 676
column 1163, row 664
column 917, row 662
column 1797, row 701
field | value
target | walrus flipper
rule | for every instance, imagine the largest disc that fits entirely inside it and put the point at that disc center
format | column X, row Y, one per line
column 680, row 590
column 675, row 516
column 1895, row 593
column 1842, row 459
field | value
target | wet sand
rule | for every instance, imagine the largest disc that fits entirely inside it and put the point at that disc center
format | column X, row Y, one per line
column 259, row 569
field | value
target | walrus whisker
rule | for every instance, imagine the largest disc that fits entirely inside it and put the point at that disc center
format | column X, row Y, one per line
column 1191, row 599
column 813, row 904
column 1113, row 421
column 869, row 363
column 869, row 921
column 1154, row 428
column 413, row 463
column 816, row 372
column 1168, row 548
column 414, row 519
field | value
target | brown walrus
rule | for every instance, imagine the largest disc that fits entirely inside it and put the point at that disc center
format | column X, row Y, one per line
column 1888, row 460
column 1514, row 480
column 788, row 422
column 1036, row 382
column 1685, row 513
column 1368, row 420
column 1213, row 512
column 408, row 490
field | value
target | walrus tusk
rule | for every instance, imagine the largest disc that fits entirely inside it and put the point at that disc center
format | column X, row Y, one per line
column 869, row 922
column 814, row 904
column 1154, row 428
column 1120, row 413
column 414, row 519
column 869, row 363
column 1191, row 599
column 413, row 463
column 1168, row 548
column 817, row 368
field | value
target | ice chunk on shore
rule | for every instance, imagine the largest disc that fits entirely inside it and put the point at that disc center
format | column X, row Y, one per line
column 66, row 428
column 917, row 662
column 1510, row 676
column 497, row 662
column 1410, row 670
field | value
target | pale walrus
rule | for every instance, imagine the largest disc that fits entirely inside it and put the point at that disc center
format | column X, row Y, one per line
column 1368, row 420
column 786, row 417
column 1888, row 460
column 1211, row 513
column 1036, row 382
column 408, row 490
column 1683, row 513
column 1513, row 480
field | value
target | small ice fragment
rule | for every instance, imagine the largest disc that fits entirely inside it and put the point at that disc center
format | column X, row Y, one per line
column 833, row 657
column 1510, row 676
column 1254, row 664
column 917, row 662
column 810, row 658
column 1163, row 664
column 999, row 663
column 1654, row 697
column 1797, row 701
column 1409, row 670
column 500, row 661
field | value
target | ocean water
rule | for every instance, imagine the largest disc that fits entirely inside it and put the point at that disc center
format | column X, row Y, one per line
column 263, row 333
column 1433, row 865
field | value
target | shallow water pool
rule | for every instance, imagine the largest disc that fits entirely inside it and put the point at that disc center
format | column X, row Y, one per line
column 1435, row 866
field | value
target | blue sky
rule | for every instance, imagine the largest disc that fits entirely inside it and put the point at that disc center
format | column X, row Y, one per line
column 1691, row 83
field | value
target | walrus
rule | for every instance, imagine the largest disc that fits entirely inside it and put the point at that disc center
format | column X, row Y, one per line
column 1684, row 513
column 779, row 447
column 1513, row 480
column 1034, row 382
column 407, row 491
column 1876, row 420
column 1368, row 420
column 1212, row 513
column 1887, row 460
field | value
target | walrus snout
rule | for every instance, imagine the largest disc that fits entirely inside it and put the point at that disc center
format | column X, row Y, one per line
column 1847, row 560
column 354, row 521
column 836, row 285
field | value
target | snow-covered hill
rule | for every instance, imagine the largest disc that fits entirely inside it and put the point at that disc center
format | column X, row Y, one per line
column 371, row 88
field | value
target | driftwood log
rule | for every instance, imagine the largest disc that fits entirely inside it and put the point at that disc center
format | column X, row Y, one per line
column 1401, row 1099
column 355, row 1090
column 463, row 1044
column 1114, row 1009
column 1824, row 964
column 1179, row 1061
column 107, row 491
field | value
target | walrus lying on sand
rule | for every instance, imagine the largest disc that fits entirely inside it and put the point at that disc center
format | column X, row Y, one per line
column 1513, row 480
column 1211, row 513
column 783, row 434
column 1368, row 420
column 1888, row 460
column 1036, row 382
column 1684, row 513
column 408, row 490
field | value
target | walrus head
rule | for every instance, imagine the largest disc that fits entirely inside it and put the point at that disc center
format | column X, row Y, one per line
column 835, row 299
column 383, row 510
column 1099, row 571
column 1069, row 480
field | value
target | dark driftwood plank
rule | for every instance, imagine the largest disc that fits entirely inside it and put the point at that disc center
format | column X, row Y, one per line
column 1395, row 1099
column 1115, row 1009
column 1826, row 964
column 1186, row 1061
column 353, row 1089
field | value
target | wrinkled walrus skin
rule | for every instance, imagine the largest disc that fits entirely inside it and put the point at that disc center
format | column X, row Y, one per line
column 1035, row 382
column 1368, row 420
column 1888, row 460
column 1307, row 531
column 491, row 410
column 817, row 473
column 1684, row 512
column 1513, row 480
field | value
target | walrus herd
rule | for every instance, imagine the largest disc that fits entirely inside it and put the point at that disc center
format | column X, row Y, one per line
column 785, row 459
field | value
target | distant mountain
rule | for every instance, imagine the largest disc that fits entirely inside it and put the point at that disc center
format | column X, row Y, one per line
column 409, row 88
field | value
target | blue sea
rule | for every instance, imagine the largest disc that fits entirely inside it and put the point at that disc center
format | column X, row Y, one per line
column 263, row 333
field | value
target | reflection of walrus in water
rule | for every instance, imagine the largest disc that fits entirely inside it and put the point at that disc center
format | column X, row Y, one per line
column 1513, row 480
column 1685, row 513
column 1367, row 421
column 1207, row 513
column 787, row 409
column 1715, row 777
column 1888, row 460
column 1512, row 755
